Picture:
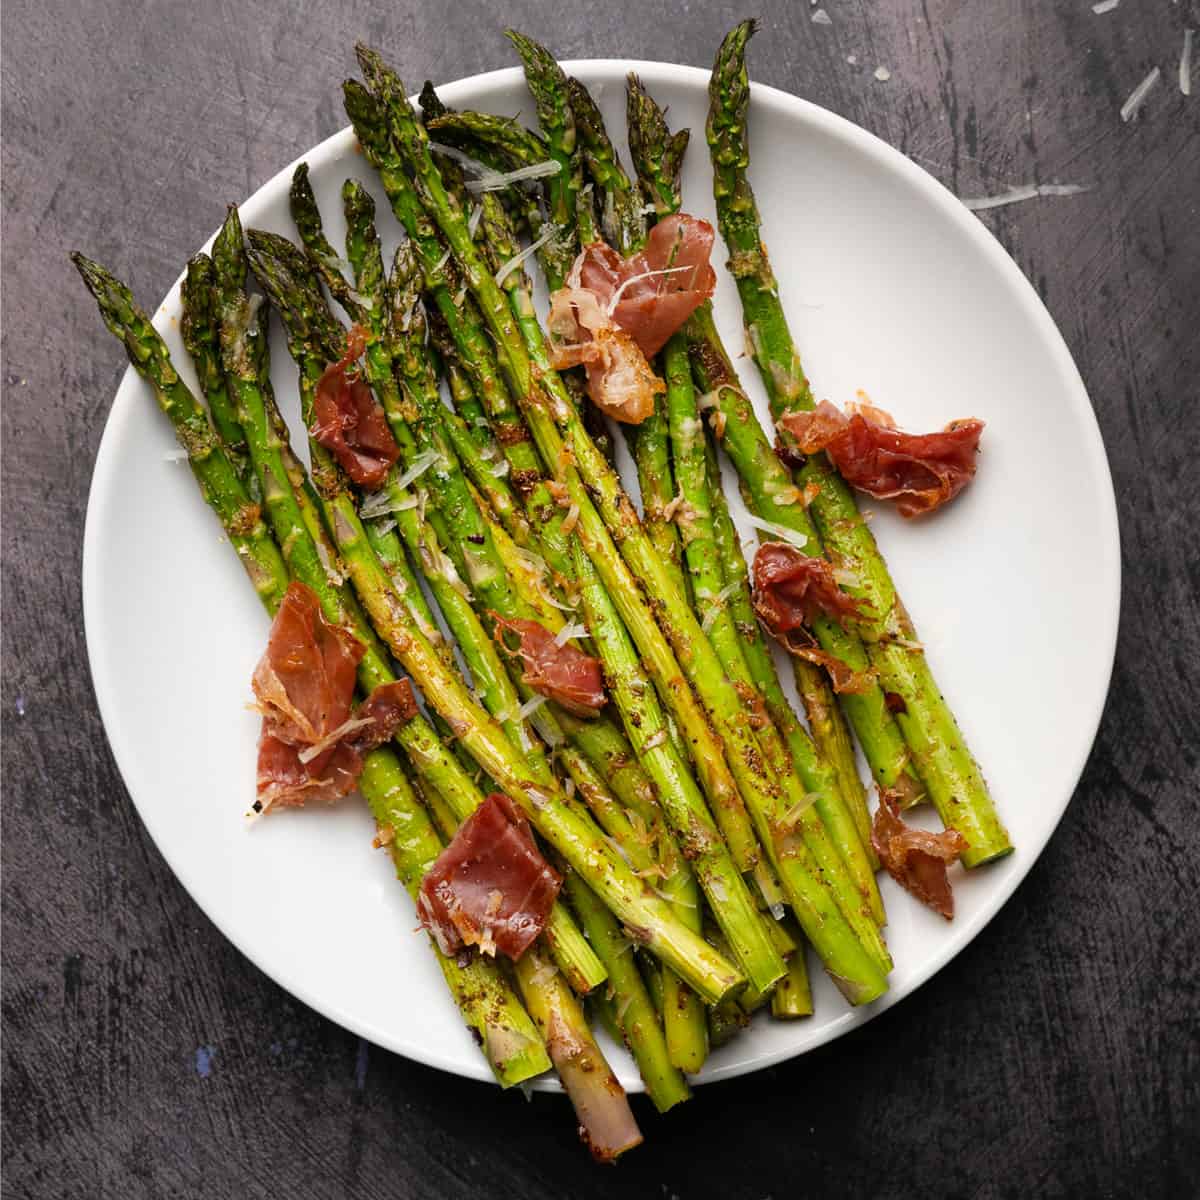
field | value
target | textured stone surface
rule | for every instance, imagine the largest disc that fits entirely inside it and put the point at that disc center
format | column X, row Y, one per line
column 144, row 1057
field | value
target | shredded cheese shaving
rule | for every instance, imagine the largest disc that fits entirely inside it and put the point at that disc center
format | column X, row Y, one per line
column 379, row 504
column 780, row 531
column 332, row 738
column 616, row 296
column 494, row 181
column 572, row 629
column 506, row 269
column 1027, row 191
column 571, row 519
column 1137, row 97
column 718, row 605
column 420, row 465
column 1185, row 63
column 530, row 707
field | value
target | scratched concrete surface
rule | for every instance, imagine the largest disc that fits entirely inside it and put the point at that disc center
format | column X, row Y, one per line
column 144, row 1057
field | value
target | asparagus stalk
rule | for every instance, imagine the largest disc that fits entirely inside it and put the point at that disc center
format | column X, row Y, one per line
column 575, row 837
column 555, row 418
column 371, row 124
column 475, row 350
column 547, row 85
column 214, row 472
column 606, row 1122
column 487, row 1003
column 815, row 804
column 829, row 731
column 940, row 755
column 307, row 563
column 625, row 228
column 200, row 330
column 515, row 1047
column 634, row 1011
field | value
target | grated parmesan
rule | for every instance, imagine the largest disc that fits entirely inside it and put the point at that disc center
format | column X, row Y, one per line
column 506, row 269
column 1137, row 97
column 780, row 531
column 1027, row 191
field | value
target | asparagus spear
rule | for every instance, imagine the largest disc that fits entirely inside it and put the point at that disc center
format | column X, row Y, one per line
column 625, row 228
column 635, row 1013
column 547, row 85
column 475, row 350
column 371, row 124
column 214, row 472
column 516, row 333
column 815, row 809
column 487, row 1003
column 509, row 1039
column 606, row 1122
column 576, row 838
column 657, row 156
column 828, row 728
column 200, row 330
column 307, row 563
column 939, row 752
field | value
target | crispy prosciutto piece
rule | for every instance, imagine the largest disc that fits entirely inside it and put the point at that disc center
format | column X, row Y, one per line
column 490, row 887
column 615, row 314
column 652, row 293
column 920, row 472
column 791, row 588
column 619, row 379
column 348, row 420
column 915, row 859
column 559, row 672
column 312, row 738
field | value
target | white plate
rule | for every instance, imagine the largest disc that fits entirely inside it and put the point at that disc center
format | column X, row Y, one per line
column 893, row 288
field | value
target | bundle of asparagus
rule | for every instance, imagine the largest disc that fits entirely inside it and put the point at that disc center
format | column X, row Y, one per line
column 703, row 836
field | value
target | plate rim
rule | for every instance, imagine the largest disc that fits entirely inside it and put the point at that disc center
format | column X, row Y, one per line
column 123, row 410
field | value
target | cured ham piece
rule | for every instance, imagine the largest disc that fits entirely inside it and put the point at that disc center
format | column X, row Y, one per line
column 348, row 420
column 921, row 472
column 559, row 672
column 490, row 887
column 652, row 293
column 615, row 314
column 791, row 588
column 313, row 738
column 915, row 859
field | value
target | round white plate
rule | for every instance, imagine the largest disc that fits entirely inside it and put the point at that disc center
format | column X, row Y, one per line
column 892, row 288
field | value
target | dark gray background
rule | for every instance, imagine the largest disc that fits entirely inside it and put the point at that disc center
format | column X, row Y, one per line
column 145, row 1057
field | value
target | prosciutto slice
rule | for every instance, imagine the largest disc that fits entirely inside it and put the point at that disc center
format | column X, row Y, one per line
column 348, row 420
column 490, row 887
column 651, row 294
column 915, row 859
column 312, row 738
column 615, row 314
column 563, row 673
column 921, row 472
column 791, row 588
